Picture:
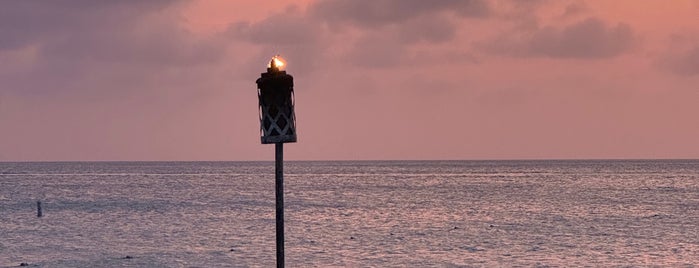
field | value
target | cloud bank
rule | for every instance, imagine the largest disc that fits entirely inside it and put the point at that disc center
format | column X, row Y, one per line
column 591, row 38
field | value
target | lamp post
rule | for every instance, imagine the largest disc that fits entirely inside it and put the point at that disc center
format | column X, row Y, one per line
column 277, row 125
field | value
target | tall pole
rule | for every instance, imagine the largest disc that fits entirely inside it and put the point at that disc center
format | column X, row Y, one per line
column 277, row 125
column 279, row 189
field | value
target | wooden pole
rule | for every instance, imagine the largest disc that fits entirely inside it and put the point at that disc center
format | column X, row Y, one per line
column 279, row 189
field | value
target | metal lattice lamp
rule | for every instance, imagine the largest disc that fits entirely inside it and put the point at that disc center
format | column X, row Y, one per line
column 276, row 95
column 278, row 126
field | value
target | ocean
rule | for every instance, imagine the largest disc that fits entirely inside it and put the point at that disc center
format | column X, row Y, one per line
column 596, row 213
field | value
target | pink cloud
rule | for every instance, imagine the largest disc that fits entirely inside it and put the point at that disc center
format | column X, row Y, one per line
column 681, row 61
column 591, row 38
column 385, row 12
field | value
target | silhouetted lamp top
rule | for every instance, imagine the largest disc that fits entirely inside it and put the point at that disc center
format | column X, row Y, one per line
column 276, row 96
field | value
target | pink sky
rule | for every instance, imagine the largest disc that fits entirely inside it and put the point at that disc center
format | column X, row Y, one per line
column 380, row 79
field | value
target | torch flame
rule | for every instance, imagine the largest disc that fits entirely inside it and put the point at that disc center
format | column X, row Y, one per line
column 277, row 62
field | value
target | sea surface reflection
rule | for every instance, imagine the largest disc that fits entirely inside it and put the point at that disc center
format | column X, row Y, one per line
column 352, row 214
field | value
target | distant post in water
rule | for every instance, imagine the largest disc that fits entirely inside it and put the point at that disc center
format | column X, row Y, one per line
column 275, row 91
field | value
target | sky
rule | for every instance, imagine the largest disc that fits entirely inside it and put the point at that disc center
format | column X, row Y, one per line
column 159, row 80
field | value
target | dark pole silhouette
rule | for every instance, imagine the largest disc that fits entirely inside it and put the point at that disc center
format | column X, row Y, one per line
column 279, row 195
column 278, row 126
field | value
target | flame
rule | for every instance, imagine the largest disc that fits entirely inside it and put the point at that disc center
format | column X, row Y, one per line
column 278, row 62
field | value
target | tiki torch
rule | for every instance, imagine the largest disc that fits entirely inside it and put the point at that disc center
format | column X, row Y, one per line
column 277, row 125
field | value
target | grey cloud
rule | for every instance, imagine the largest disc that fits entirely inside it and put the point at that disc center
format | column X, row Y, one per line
column 376, row 51
column 156, row 46
column 683, row 62
column 373, row 13
column 590, row 38
column 103, row 31
column 523, row 11
column 77, row 41
column 528, row 5
column 389, row 46
column 387, row 29
column 284, row 28
column 575, row 9
column 435, row 29
column 25, row 22
column 299, row 39
column 587, row 39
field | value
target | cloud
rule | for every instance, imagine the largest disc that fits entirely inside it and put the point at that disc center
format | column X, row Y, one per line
column 289, row 28
column 591, row 38
column 376, row 51
column 299, row 39
column 682, row 61
column 432, row 29
column 82, row 45
column 377, row 13
column 575, row 9
column 306, row 35
column 390, row 46
column 26, row 22
column 386, row 30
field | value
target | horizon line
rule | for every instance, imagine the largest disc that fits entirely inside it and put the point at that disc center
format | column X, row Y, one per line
column 359, row 160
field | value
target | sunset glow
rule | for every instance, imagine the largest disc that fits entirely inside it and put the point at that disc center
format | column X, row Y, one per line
column 508, row 79
column 405, row 133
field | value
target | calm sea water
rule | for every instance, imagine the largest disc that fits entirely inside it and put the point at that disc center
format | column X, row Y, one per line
column 352, row 214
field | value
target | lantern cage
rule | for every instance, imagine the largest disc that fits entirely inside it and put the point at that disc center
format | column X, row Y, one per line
column 276, row 96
